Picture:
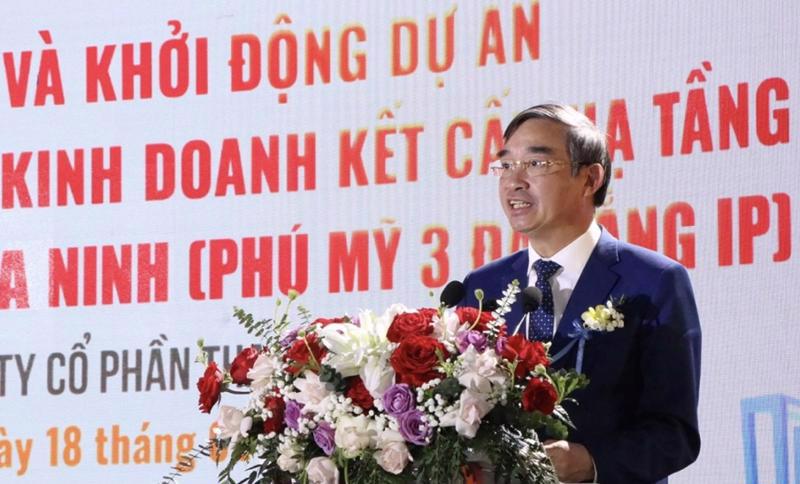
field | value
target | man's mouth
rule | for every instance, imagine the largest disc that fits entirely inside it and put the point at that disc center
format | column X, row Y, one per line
column 515, row 204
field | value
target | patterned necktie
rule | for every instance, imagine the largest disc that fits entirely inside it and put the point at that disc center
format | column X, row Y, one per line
column 543, row 317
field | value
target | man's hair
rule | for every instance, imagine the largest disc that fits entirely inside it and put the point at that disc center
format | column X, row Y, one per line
column 585, row 143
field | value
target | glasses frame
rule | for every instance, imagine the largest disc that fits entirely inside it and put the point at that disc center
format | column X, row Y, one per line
column 499, row 170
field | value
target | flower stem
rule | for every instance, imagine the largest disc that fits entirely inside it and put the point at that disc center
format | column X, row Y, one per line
column 236, row 392
column 480, row 311
column 314, row 363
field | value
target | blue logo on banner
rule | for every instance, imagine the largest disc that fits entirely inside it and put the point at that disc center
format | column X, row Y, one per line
column 785, row 414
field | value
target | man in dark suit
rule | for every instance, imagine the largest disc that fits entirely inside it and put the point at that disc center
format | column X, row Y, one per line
column 637, row 419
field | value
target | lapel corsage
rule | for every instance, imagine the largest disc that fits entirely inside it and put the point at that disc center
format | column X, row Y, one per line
column 603, row 317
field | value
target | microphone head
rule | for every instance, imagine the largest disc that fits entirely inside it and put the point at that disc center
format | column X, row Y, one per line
column 531, row 299
column 452, row 294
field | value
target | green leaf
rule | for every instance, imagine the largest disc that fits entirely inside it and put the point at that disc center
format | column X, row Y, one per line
column 442, row 459
column 449, row 388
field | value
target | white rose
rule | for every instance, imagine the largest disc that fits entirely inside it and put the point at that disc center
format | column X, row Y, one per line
column 313, row 393
column 263, row 371
column 322, row 470
column 232, row 424
column 473, row 407
column 288, row 464
column 354, row 434
column 393, row 454
column 480, row 371
column 288, row 458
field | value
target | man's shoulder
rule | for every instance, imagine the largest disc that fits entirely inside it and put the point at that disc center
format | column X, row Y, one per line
column 643, row 260
column 500, row 265
column 495, row 276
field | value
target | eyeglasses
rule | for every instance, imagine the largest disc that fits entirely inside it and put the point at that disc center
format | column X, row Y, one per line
column 533, row 167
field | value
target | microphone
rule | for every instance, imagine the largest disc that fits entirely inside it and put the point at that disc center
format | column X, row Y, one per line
column 452, row 294
column 531, row 298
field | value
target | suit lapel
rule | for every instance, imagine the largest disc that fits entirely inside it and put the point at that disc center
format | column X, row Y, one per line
column 593, row 288
column 519, row 271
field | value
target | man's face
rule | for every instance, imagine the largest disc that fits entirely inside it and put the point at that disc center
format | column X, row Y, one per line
column 542, row 207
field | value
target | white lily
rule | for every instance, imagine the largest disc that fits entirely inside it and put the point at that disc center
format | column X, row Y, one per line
column 350, row 346
column 377, row 375
column 264, row 370
column 312, row 393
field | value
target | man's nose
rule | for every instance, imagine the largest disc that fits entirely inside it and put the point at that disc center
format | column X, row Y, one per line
column 515, row 178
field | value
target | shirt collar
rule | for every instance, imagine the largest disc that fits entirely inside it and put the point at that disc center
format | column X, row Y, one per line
column 573, row 257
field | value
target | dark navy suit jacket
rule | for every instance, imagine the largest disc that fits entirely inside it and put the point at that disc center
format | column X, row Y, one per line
column 638, row 415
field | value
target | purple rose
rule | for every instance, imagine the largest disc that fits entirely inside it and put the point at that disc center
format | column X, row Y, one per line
column 474, row 338
column 291, row 414
column 500, row 346
column 413, row 428
column 289, row 338
column 324, row 437
column 398, row 399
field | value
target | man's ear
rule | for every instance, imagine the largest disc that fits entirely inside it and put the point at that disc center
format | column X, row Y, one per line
column 594, row 179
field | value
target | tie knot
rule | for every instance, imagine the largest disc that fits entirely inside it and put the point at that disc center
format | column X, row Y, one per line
column 545, row 269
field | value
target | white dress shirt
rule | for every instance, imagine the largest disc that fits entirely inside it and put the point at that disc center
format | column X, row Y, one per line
column 572, row 259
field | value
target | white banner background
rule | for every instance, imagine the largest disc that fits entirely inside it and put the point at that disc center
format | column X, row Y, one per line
column 629, row 55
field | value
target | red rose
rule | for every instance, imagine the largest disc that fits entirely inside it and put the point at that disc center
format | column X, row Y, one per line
column 357, row 392
column 428, row 312
column 210, row 387
column 540, row 396
column 408, row 324
column 326, row 321
column 526, row 353
column 276, row 406
column 469, row 315
column 298, row 356
column 415, row 360
column 243, row 363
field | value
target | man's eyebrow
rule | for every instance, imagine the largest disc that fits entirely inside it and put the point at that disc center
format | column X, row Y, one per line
column 534, row 149
column 538, row 149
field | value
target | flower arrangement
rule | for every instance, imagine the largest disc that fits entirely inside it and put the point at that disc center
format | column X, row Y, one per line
column 407, row 395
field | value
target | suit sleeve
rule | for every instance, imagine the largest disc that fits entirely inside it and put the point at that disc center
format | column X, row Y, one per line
column 662, row 436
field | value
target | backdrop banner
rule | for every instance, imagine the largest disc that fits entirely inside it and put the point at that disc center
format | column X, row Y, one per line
column 165, row 162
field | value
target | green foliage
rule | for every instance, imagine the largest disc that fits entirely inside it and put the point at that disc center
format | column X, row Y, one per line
column 449, row 388
column 237, row 452
column 256, row 328
column 305, row 315
column 520, row 457
column 186, row 462
column 567, row 381
column 442, row 458
column 267, row 471
column 328, row 375
column 367, row 471
column 269, row 329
